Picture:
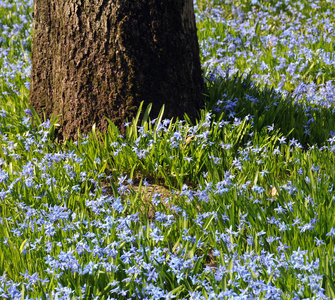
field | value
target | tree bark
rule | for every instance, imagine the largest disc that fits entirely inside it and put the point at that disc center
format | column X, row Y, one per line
column 97, row 58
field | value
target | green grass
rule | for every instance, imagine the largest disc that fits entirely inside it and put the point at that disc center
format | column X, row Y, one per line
column 237, row 201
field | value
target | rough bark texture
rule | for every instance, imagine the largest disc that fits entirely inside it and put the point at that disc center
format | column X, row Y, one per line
column 96, row 58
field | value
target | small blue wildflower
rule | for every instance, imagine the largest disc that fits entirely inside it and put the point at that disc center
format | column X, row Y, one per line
column 28, row 112
column 331, row 232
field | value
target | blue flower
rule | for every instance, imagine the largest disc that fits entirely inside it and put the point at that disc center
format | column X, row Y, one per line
column 331, row 232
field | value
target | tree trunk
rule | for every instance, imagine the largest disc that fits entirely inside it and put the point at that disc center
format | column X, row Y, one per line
column 97, row 58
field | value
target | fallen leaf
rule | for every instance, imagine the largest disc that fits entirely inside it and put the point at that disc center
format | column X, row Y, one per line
column 273, row 192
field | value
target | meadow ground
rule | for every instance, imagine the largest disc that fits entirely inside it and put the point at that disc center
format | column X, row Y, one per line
column 239, row 205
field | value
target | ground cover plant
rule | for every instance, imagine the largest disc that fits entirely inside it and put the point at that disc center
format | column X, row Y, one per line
column 239, row 205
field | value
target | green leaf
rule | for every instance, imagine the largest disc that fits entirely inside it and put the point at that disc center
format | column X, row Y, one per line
column 23, row 245
column 177, row 290
column 36, row 118
column 256, row 178
column 146, row 115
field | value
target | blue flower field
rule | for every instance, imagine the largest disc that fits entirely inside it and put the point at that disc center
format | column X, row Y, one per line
column 239, row 205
